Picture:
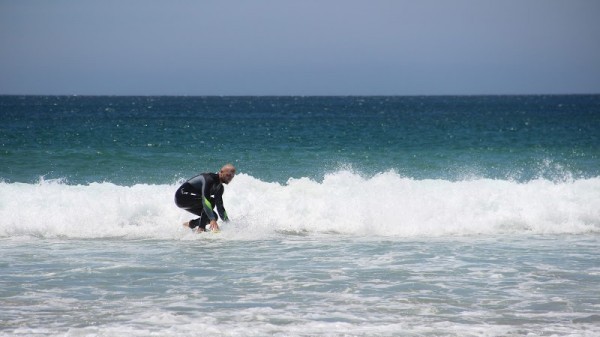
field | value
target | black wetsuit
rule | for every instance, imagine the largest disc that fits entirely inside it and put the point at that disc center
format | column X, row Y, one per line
column 199, row 195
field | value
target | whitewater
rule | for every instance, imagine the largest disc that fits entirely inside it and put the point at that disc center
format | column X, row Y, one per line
column 350, row 255
column 344, row 202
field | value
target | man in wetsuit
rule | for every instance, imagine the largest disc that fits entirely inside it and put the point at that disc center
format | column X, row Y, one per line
column 200, row 194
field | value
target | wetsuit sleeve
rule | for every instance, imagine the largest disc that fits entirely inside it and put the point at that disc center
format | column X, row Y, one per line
column 220, row 206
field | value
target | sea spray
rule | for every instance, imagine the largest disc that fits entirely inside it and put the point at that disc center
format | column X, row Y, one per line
column 344, row 202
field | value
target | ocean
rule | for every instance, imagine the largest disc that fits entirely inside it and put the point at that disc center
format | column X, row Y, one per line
column 350, row 216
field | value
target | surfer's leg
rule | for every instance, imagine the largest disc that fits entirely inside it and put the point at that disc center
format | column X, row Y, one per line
column 201, row 223
column 192, row 203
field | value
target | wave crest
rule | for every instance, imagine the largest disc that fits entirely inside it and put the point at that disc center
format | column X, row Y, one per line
column 386, row 204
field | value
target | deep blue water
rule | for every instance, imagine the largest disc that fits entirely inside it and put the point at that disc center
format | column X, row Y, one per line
column 129, row 140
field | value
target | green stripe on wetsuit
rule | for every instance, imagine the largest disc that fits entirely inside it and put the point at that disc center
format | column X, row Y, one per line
column 208, row 209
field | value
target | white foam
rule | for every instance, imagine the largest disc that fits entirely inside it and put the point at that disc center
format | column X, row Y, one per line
column 344, row 202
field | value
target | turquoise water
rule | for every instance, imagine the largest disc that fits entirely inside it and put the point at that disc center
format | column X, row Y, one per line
column 129, row 140
column 350, row 216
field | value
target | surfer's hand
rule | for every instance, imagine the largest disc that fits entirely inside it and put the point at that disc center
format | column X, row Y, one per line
column 213, row 225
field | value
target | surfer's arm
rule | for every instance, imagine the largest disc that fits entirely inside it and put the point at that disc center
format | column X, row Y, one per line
column 220, row 207
column 209, row 212
column 208, row 209
column 222, row 212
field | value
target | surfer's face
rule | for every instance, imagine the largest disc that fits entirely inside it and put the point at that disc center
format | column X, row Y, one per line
column 226, row 175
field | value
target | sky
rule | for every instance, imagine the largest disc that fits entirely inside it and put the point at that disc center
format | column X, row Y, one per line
column 303, row 47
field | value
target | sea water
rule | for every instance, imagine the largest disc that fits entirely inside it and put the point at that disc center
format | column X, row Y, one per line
column 350, row 216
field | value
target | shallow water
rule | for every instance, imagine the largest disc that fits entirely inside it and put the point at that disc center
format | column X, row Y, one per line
column 302, row 285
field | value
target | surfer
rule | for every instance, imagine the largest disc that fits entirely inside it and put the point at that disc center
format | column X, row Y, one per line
column 200, row 194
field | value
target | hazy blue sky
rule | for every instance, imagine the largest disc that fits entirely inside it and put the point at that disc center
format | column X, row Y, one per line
column 308, row 47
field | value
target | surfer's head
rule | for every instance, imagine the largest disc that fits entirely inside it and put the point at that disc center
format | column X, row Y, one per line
column 227, row 173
